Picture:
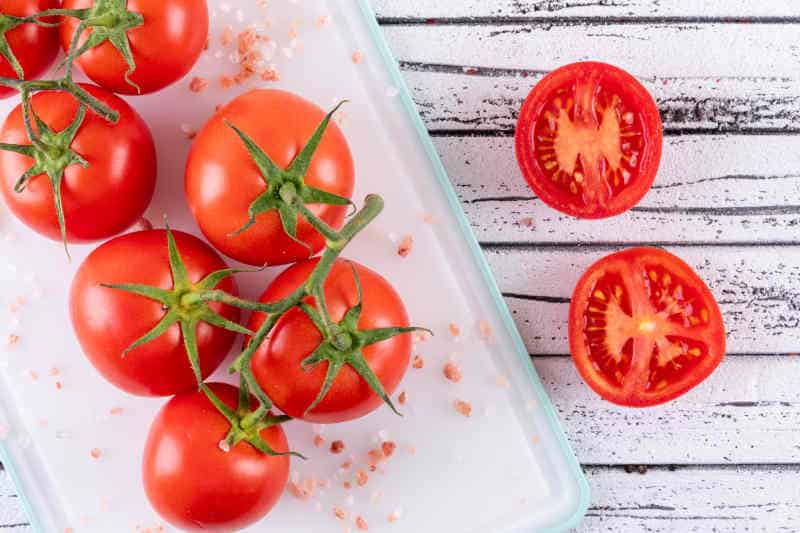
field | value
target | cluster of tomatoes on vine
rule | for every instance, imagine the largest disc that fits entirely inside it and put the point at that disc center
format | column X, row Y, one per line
column 268, row 180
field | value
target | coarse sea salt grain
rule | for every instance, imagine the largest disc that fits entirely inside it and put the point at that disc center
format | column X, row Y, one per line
column 395, row 515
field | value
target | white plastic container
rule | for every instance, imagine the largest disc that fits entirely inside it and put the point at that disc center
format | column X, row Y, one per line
column 506, row 468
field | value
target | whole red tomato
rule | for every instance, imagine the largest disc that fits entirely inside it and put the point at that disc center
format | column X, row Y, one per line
column 589, row 140
column 165, row 47
column 277, row 362
column 644, row 328
column 35, row 47
column 222, row 180
column 107, row 321
column 98, row 201
column 193, row 483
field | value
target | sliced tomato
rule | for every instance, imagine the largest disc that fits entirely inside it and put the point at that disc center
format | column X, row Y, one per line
column 589, row 140
column 644, row 328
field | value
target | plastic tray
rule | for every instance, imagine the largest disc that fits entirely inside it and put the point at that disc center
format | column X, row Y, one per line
column 506, row 468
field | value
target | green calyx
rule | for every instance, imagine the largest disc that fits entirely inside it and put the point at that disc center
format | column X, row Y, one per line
column 8, row 23
column 343, row 344
column 187, row 304
column 286, row 190
column 241, row 431
column 52, row 153
column 109, row 20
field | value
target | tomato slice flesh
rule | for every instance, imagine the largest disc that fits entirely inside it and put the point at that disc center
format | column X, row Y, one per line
column 589, row 140
column 648, row 328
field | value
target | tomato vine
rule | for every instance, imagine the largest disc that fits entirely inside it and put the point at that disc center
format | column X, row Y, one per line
column 109, row 21
column 342, row 342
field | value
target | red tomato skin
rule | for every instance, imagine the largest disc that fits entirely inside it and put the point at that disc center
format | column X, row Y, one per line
column 107, row 321
column 222, row 180
column 276, row 363
column 196, row 486
column 634, row 257
column 165, row 47
column 536, row 102
column 99, row 201
column 35, row 47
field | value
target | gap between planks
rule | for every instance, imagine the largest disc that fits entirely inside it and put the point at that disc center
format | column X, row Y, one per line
column 425, row 10
column 480, row 84
column 581, row 20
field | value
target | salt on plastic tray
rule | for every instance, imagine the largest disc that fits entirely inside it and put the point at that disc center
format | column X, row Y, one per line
column 74, row 443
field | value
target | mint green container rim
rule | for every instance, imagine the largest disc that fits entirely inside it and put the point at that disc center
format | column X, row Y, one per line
column 480, row 260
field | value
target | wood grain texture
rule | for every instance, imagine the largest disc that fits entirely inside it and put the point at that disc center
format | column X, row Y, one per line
column 720, row 189
column 670, row 50
column 746, row 412
column 548, row 9
column 694, row 500
column 12, row 515
column 486, row 100
column 479, row 85
column 758, row 289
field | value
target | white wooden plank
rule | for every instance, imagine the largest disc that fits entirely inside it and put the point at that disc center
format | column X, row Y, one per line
column 12, row 515
column 545, row 9
column 682, row 50
column 709, row 189
column 758, row 289
column 465, row 98
column 694, row 500
column 746, row 412
column 747, row 78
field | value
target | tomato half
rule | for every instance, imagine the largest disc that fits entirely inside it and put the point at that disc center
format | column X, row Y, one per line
column 195, row 485
column 107, row 321
column 589, row 140
column 222, row 181
column 99, row 201
column 165, row 47
column 277, row 362
column 644, row 328
column 35, row 47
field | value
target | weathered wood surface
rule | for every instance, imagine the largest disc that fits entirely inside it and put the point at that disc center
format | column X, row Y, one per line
column 12, row 515
column 394, row 11
column 480, row 84
column 762, row 498
column 710, row 188
column 758, row 289
column 466, row 99
column 747, row 412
